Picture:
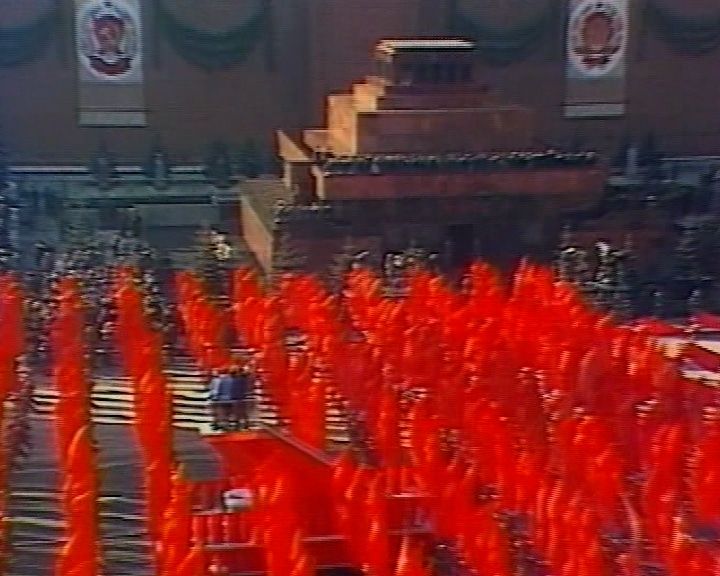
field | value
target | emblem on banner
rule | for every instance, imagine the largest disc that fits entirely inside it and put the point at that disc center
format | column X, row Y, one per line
column 108, row 38
column 597, row 35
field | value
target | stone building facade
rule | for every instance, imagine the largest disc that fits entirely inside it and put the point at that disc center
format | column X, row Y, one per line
column 310, row 48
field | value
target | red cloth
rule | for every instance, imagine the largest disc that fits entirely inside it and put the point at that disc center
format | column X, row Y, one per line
column 194, row 563
column 409, row 561
column 706, row 321
column 702, row 357
column 657, row 328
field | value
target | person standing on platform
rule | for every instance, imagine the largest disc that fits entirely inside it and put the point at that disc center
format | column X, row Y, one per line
column 242, row 381
column 221, row 400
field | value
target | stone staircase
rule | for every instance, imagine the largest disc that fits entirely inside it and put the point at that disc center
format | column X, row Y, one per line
column 113, row 403
column 37, row 531
column 35, row 513
column 125, row 544
column 36, row 517
column 337, row 426
column 112, row 399
column 37, row 528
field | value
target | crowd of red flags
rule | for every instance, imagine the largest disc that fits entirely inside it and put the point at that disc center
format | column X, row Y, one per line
column 486, row 403
column 80, row 555
column 206, row 327
column 11, row 348
column 496, row 400
column 258, row 320
column 168, row 504
column 279, row 525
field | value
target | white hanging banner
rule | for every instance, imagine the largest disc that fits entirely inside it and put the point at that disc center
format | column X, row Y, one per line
column 108, row 40
column 597, row 41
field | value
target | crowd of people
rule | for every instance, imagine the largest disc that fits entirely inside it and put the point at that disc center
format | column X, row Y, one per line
column 91, row 259
column 230, row 398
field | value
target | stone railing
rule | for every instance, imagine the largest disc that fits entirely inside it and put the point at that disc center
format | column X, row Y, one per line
column 394, row 163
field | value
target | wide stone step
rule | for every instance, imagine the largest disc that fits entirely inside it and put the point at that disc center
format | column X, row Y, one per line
column 113, row 416
column 181, row 395
column 124, row 408
column 202, row 425
column 37, row 559
column 36, row 521
column 45, row 403
column 35, row 515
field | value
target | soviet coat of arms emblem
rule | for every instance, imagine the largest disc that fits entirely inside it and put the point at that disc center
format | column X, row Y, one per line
column 596, row 37
column 108, row 38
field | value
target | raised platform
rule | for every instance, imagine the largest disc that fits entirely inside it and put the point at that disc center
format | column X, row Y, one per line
column 579, row 186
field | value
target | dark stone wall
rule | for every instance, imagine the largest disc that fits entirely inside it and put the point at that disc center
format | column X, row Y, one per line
column 670, row 92
column 188, row 107
column 324, row 45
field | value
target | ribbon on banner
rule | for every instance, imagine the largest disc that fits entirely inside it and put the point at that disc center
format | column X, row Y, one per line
column 109, row 47
column 597, row 41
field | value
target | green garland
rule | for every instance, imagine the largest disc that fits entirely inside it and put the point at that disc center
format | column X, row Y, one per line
column 690, row 34
column 27, row 42
column 215, row 50
column 503, row 46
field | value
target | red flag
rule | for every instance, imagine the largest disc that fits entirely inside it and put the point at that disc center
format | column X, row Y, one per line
column 193, row 564
column 409, row 561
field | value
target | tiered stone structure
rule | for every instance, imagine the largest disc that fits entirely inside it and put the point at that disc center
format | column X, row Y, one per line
column 423, row 152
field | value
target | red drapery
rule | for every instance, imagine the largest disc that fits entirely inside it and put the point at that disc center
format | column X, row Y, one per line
column 80, row 555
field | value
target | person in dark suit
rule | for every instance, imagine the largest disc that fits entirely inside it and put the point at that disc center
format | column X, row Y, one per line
column 221, row 400
column 229, row 399
column 241, row 387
